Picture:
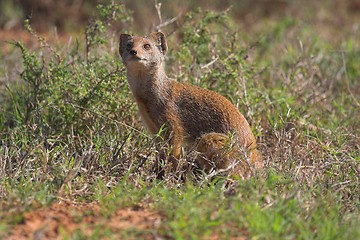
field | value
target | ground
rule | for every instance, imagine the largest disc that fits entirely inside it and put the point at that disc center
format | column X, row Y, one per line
column 296, row 79
column 65, row 217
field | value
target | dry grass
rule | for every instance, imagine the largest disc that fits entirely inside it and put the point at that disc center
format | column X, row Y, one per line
column 69, row 129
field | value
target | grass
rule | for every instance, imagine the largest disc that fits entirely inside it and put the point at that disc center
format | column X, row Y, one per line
column 69, row 131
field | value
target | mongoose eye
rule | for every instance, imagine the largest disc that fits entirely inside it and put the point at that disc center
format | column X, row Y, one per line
column 128, row 46
column 147, row 46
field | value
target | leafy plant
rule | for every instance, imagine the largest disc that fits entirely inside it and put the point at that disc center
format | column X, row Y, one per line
column 69, row 129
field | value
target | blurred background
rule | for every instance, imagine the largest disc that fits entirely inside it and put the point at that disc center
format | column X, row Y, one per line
column 71, row 16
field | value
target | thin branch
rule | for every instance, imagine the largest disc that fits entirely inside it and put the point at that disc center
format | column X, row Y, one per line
column 108, row 118
column 158, row 10
column 167, row 22
column 210, row 63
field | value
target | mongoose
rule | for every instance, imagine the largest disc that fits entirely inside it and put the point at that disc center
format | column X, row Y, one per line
column 194, row 116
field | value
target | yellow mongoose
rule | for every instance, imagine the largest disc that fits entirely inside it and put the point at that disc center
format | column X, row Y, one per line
column 194, row 116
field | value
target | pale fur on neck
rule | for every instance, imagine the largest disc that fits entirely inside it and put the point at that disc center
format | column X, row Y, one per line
column 144, row 82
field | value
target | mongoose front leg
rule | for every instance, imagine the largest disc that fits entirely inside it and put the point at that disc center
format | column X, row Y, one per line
column 176, row 144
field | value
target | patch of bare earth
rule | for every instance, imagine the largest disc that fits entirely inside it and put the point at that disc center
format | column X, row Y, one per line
column 65, row 218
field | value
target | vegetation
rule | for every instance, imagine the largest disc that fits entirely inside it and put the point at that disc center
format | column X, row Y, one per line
column 69, row 130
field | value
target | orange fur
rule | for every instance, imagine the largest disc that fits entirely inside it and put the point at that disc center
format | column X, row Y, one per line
column 194, row 116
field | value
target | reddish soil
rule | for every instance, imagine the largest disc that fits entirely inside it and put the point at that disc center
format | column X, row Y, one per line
column 65, row 218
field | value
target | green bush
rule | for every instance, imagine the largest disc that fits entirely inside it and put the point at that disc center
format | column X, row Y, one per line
column 69, row 129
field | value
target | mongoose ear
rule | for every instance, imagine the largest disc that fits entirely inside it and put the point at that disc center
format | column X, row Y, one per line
column 160, row 40
column 124, row 39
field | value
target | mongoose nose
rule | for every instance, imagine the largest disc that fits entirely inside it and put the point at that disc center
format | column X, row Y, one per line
column 133, row 52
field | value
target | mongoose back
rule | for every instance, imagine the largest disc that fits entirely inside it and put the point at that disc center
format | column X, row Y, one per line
column 194, row 116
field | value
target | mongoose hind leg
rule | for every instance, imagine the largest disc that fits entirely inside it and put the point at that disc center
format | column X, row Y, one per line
column 213, row 151
column 218, row 152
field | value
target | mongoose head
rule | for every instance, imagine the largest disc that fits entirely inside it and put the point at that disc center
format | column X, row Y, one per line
column 145, row 53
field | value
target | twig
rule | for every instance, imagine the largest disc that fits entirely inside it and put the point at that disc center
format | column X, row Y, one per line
column 167, row 22
column 158, row 10
column 210, row 63
column 105, row 117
